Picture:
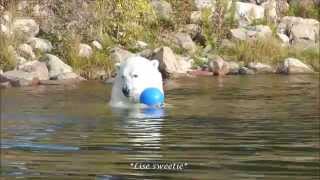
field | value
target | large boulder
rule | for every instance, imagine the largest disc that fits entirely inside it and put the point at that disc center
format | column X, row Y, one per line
column 293, row 66
column 39, row 69
column 97, row 45
column 248, row 11
column 20, row 78
column 85, row 51
column 26, row 51
column 251, row 32
column 185, row 42
column 25, row 27
column 203, row 4
column 195, row 17
column 162, row 8
column 300, row 30
column 119, row 54
column 56, row 66
column 260, row 68
column 169, row 63
column 218, row 66
column 39, row 44
column 193, row 30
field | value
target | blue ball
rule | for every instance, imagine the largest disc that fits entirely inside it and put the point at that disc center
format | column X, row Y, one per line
column 151, row 97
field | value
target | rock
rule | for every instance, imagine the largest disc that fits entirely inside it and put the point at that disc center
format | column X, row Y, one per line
column 293, row 66
column 42, row 45
column 5, row 84
column 193, row 30
column 21, row 78
column 246, row 71
column 300, row 30
column 20, row 60
column 218, row 66
column 147, row 53
column 56, row 66
column 162, row 8
column 195, row 17
column 260, row 68
column 251, row 32
column 169, row 64
column 184, row 41
column 26, row 51
column 118, row 54
column 25, row 27
column 270, row 7
column 203, row 4
column 248, row 11
column 185, row 63
column 85, row 51
column 283, row 38
column 97, row 45
column 69, row 75
column 39, row 69
column 239, row 33
column 233, row 68
column 140, row 45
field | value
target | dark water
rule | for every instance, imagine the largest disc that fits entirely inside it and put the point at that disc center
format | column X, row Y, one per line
column 254, row 127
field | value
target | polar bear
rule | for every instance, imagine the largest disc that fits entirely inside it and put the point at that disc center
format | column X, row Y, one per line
column 133, row 76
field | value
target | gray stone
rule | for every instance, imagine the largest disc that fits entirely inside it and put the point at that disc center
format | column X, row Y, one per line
column 119, row 54
column 162, row 8
column 195, row 17
column 218, row 66
column 56, row 66
column 294, row 66
column 39, row 69
column 251, row 32
column 26, row 51
column 69, row 75
column 85, row 51
column 233, row 68
column 246, row 71
column 21, row 78
column 248, row 11
column 25, row 27
column 260, row 68
column 169, row 63
column 97, row 45
column 184, row 41
column 300, row 30
column 42, row 45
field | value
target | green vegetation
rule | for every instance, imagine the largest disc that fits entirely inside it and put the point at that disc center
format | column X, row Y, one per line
column 268, row 51
column 7, row 56
column 216, row 25
column 306, row 9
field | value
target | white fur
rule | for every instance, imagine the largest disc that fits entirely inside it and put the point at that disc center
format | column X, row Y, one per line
column 148, row 76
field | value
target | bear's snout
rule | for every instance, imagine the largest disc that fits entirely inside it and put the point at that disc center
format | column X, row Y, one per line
column 126, row 91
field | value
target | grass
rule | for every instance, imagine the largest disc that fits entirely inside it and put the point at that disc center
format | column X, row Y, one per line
column 305, row 9
column 270, row 52
column 7, row 56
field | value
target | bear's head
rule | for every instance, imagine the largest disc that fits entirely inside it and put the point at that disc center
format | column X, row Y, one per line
column 134, row 75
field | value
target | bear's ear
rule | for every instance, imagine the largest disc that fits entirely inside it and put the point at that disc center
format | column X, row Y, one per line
column 155, row 63
column 117, row 65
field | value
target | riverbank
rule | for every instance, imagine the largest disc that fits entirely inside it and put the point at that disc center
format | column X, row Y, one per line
column 62, row 43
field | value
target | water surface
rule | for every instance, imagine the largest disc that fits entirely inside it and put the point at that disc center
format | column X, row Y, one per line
column 236, row 127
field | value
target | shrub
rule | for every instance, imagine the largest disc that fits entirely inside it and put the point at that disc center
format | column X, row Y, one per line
column 7, row 55
column 306, row 9
column 216, row 25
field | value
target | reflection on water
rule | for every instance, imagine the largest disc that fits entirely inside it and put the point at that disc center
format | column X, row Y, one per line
column 255, row 127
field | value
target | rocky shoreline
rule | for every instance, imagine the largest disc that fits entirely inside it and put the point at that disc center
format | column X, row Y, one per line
column 36, row 63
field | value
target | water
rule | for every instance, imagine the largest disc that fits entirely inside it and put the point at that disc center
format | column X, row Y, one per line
column 237, row 127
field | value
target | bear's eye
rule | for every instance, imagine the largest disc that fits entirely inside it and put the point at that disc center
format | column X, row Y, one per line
column 135, row 75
